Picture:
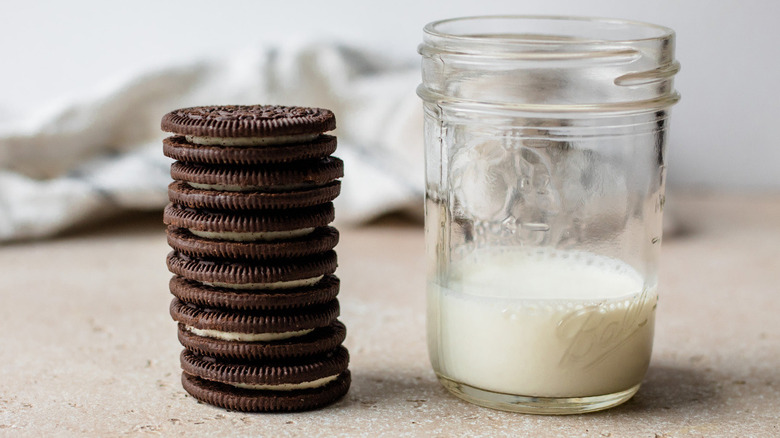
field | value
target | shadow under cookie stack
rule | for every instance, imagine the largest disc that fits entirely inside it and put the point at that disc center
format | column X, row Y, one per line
column 254, row 290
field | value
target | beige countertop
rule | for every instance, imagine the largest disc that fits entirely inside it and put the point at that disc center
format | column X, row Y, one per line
column 87, row 346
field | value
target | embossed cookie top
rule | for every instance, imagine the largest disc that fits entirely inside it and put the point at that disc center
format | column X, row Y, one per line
column 248, row 121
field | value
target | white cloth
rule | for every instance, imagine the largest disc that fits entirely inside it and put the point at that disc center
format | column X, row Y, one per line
column 103, row 154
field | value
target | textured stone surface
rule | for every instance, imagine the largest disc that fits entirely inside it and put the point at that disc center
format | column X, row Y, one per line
column 87, row 346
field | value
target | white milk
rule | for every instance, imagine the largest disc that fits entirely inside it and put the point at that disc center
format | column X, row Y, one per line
column 542, row 323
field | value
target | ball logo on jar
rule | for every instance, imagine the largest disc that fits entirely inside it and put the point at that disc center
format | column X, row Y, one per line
column 593, row 332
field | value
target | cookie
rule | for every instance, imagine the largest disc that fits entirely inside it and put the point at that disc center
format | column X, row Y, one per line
column 267, row 275
column 231, row 121
column 178, row 148
column 251, row 400
column 201, row 295
column 267, row 385
column 301, row 372
column 279, row 177
column 183, row 194
column 318, row 341
column 253, row 326
column 292, row 185
column 321, row 239
column 249, row 226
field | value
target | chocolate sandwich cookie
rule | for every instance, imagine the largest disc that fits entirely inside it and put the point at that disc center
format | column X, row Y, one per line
column 178, row 148
column 231, row 121
column 321, row 239
column 293, row 185
column 248, row 134
column 253, row 326
column 277, row 177
column 199, row 294
column 245, row 226
column 318, row 341
column 269, row 386
column 275, row 274
column 181, row 193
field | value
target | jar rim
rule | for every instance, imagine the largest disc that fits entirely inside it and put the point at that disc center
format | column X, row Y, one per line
column 656, row 32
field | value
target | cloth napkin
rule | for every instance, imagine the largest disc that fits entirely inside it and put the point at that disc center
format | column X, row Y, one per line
column 100, row 155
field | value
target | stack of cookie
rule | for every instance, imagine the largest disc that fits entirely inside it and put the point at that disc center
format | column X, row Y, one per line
column 255, row 294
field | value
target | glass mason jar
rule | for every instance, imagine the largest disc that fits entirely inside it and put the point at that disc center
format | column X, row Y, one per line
column 545, row 141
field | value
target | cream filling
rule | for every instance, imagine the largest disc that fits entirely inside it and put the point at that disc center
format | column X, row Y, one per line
column 289, row 386
column 238, row 188
column 246, row 337
column 250, row 141
column 265, row 286
column 249, row 237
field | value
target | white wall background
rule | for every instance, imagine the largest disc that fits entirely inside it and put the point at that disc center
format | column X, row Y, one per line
column 724, row 132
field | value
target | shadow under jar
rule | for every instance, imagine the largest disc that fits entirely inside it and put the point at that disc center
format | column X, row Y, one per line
column 545, row 144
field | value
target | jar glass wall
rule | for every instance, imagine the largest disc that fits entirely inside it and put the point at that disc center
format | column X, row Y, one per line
column 545, row 165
